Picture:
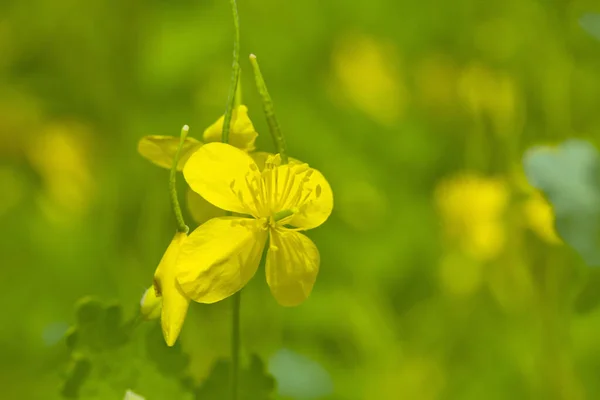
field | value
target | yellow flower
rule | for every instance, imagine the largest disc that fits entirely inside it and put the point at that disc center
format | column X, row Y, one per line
column 174, row 302
column 367, row 72
column 222, row 255
column 161, row 150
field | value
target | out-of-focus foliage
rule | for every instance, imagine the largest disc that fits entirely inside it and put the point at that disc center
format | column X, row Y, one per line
column 591, row 23
column 442, row 276
column 109, row 356
column 570, row 177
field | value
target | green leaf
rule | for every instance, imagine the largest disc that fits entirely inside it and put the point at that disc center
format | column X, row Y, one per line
column 108, row 357
column 255, row 382
column 591, row 23
column 170, row 361
column 569, row 176
column 78, row 372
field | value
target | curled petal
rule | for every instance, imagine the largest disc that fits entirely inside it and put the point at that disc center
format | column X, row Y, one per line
column 174, row 302
column 220, row 257
column 292, row 266
column 161, row 150
column 242, row 134
column 221, row 174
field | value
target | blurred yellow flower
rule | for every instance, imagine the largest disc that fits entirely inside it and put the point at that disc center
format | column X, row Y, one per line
column 222, row 255
column 60, row 154
column 367, row 72
column 471, row 209
column 174, row 302
column 537, row 212
column 540, row 218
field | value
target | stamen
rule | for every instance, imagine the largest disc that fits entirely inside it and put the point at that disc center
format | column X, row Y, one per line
column 289, row 183
column 254, row 193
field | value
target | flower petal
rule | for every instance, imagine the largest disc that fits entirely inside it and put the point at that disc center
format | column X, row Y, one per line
column 175, row 303
column 242, row 134
column 161, row 150
column 292, row 266
column 219, row 172
column 200, row 209
column 220, row 257
column 318, row 206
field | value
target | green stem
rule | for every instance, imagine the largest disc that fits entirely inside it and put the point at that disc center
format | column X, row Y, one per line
column 269, row 111
column 235, row 343
column 235, row 73
column 234, row 98
column 181, row 226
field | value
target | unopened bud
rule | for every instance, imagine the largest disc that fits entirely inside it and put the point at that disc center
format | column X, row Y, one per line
column 151, row 304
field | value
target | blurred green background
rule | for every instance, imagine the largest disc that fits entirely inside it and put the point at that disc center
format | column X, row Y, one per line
column 441, row 274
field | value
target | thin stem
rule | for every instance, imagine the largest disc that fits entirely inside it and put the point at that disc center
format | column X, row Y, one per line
column 235, row 343
column 269, row 111
column 234, row 98
column 181, row 226
column 235, row 73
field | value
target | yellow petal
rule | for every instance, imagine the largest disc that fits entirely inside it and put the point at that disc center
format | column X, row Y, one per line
column 200, row 209
column 292, row 266
column 318, row 203
column 175, row 303
column 219, row 173
column 151, row 304
column 161, row 150
column 242, row 134
column 220, row 257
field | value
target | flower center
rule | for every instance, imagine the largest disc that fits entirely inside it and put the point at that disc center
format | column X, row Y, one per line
column 278, row 192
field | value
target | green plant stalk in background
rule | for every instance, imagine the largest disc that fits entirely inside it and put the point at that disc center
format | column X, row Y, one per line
column 181, row 226
column 269, row 111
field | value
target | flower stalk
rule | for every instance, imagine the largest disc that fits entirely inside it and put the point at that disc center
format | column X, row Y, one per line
column 181, row 226
column 233, row 98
